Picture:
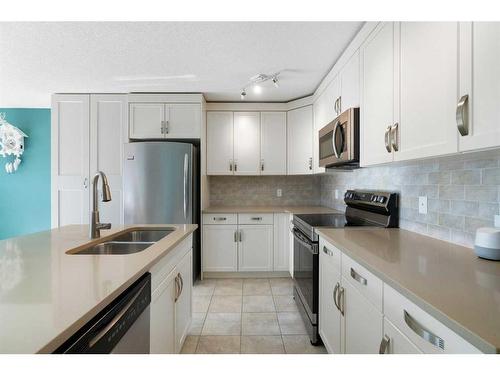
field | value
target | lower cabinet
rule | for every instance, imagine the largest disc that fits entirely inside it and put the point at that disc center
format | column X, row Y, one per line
column 255, row 248
column 362, row 322
column 282, row 249
column 220, row 248
column 171, row 301
column 395, row 342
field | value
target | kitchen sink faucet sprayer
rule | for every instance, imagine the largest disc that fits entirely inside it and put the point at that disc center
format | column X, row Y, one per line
column 95, row 225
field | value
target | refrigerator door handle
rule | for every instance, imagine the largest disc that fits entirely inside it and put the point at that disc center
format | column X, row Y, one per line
column 186, row 161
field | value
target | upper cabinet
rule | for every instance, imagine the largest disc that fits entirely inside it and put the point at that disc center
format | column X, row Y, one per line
column 246, row 143
column 300, row 139
column 349, row 84
column 409, row 91
column 378, row 83
column 273, row 143
column 151, row 118
column 479, row 85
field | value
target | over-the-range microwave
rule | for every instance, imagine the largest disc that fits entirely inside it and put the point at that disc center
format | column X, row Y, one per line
column 339, row 141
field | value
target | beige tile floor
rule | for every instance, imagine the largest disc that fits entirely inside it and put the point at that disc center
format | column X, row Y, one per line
column 254, row 316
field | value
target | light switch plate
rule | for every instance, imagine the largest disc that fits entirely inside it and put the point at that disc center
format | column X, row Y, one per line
column 279, row 193
column 422, row 205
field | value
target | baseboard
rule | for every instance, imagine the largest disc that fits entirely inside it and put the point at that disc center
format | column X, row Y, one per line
column 244, row 275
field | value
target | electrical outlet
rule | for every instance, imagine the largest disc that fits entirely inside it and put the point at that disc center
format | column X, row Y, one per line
column 279, row 193
column 336, row 193
column 422, row 205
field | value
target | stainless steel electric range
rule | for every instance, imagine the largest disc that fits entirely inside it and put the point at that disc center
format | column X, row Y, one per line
column 364, row 208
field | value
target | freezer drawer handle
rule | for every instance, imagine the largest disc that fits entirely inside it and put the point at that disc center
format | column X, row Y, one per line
column 356, row 276
column 423, row 332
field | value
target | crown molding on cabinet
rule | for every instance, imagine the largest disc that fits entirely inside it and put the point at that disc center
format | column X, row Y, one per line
column 166, row 98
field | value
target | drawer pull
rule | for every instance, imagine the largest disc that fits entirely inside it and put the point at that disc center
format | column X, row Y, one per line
column 256, row 218
column 220, row 219
column 327, row 251
column 423, row 332
column 384, row 345
column 356, row 276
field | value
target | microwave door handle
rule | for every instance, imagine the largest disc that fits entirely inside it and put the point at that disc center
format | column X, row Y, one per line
column 334, row 137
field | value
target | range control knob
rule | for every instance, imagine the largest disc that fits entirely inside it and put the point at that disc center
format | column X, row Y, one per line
column 374, row 198
column 381, row 199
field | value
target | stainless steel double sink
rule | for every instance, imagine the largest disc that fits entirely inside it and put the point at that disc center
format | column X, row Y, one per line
column 122, row 243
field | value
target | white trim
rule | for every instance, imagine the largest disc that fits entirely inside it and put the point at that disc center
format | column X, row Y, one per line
column 163, row 98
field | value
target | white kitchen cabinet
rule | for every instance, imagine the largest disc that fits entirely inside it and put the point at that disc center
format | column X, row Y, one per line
column 349, row 84
column 247, row 143
column 70, row 159
column 428, row 90
column 329, row 284
column 281, row 239
column 379, row 101
column 183, row 305
column 88, row 132
column 273, row 143
column 362, row 322
column 108, row 133
column 220, row 248
column 146, row 120
column 480, row 80
column 299, row 140
column 220, row 143
column 255, row 248
column 395, row 342
column 165, row 120
column 162, row 310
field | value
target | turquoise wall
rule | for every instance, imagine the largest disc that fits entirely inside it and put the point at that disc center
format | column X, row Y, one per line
column 25, row 194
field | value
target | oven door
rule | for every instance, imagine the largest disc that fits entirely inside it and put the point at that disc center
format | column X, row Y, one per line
column 305, row 272
column 338, row 141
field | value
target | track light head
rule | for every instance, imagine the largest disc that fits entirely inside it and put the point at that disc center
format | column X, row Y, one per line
column 275, row 82
column 243, row 94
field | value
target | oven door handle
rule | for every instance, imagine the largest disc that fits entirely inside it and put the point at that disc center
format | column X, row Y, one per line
column 313, row 248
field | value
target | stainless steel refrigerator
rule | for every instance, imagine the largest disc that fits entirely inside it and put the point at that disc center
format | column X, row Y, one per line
column 161, row 186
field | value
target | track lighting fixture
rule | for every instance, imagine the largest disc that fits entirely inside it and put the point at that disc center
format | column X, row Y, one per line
column 256, row 82
column 243, row 94
column 275, row 82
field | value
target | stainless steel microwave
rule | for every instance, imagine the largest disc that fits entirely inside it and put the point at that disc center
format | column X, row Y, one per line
column 339, row 141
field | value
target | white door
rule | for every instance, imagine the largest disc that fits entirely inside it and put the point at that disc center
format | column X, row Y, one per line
column 162, row 310
column 70, row 160
column 396, row 342
column 220, row 249
column 219, row 143
column 183, row 120
column 183, row 306
column 255, row 248
column 329, row 314
column 299, row 138
column 246, row 143
column 378, row 97
column 362, row 322
column 349, row 97
column 108, row 133
column 429, row 87
column 273, row 143
column 281, row 250
column 146, row 120
column 480, row 79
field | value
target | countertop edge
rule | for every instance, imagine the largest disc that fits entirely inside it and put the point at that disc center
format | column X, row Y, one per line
column 72, row 329
column 268, row 209
column 466, row 334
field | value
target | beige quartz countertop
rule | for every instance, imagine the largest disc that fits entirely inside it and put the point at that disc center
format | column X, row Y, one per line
column 46, row 295
column 269, row 209
column 446, row 280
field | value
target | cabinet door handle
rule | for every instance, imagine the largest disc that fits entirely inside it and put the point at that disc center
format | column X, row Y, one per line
column 386, row 139
column 182, row 284
column 166, row 127
column 421, row 331
column 339, row 105
column 240, row 235
column 262, row 164
column 356, row 276
column 462, row 115
column 256, row 218
column 176, row 288
column 341, row 297
column 85, row 183
column 235, row 236
column 162, row 127
column 235, row 163
column 310, row 164
column 335, row 107
column 220, row 219
column 394, row 137
column 384, row 345
column 327, row 251
column 230, row 165
column 335, row 290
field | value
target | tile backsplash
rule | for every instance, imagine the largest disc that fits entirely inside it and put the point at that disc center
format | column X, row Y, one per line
column 261, row 190
column 463, row 192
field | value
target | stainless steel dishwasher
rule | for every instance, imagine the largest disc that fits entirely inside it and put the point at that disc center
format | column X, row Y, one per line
column 122, row 327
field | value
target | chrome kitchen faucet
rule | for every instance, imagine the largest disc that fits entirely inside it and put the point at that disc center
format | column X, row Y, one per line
column 95, row 225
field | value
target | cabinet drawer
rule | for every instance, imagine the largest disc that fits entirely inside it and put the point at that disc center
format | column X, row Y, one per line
column 398, row 343
column 426, row 332
column 329, row 254
column 255, row 219
column 366, row 282
column 220, row 219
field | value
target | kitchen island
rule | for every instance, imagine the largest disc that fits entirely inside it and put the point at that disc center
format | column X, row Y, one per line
column 46, row 294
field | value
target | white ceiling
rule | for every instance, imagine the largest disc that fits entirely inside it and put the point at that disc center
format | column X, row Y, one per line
column 217, row 59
